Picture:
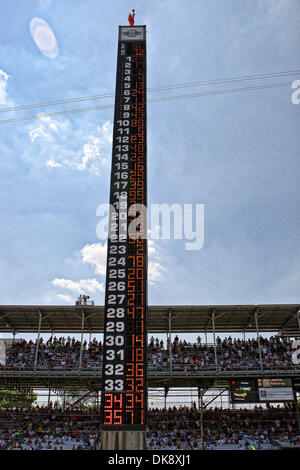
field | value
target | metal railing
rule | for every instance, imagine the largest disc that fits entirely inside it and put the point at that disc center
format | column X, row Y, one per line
column 154, row 373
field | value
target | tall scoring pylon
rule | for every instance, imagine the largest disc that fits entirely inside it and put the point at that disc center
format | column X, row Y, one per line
column 124, row 381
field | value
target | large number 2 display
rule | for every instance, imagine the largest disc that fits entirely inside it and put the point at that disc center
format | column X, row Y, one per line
column 124, row 383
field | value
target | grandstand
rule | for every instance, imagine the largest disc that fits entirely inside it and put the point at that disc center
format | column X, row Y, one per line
column 238, row 369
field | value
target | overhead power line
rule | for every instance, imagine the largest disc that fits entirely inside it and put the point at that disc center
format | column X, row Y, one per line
column 219, row 92
column 156, row 89
column 153, row 100
column 228, row 80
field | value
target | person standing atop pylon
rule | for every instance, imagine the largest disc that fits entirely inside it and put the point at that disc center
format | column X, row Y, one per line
column 131, row 17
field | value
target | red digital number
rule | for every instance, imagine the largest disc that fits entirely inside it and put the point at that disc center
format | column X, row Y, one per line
column 118, row 419
column 108, row 417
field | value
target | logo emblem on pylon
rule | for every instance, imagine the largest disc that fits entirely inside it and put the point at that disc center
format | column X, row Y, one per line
column 132, row 33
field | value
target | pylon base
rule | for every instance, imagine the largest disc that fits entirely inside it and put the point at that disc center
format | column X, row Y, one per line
column 123, row 440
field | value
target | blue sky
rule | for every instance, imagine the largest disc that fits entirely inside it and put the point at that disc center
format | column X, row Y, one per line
column 238, row 154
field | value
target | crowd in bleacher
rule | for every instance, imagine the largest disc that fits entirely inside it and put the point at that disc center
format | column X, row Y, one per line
column 227, row 354
column 53, row 428
column 54, row 354
column 263, row 428
column 48, row 428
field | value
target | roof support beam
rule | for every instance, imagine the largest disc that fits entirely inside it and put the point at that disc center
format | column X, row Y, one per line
column 249, row 322
column 8, row 322
column 290, row 320
column 46, row 317
column 208, row 322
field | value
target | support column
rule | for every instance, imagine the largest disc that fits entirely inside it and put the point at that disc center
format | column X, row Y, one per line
column 38, row 340
column 297, row 411
column 166, row 394
column 64, row 400
column 123, row 440
column 200, row 391
column 258, row 340
column 214, row 335
column 82, row 329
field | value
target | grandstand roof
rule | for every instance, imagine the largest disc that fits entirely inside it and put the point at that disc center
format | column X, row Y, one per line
column 184, row 318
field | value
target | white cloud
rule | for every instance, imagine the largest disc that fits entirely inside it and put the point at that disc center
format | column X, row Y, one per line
column 95, row 254
column 155, row 268
column 106, row 132
column 46, row 130
column 66, row 298
column 155, row 272
column 52, row 163
column 44, row 37
column 84, row 151
column 39, row 132
column 3, row 82
column 152, row 250
column 90, row 150
column 90, row 285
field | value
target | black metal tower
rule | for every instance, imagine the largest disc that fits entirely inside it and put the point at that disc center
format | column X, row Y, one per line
column 124, row 389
